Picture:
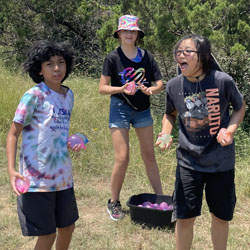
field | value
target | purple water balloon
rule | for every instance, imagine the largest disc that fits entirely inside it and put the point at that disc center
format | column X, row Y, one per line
column 83, row 137
column 155, row 205
column 76, row 140
column 162, row 206
column 146, row 203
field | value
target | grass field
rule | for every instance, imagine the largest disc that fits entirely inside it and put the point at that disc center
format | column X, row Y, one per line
column 92, row 169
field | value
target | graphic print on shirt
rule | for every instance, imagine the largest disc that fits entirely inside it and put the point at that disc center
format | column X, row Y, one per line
column 203, row 110
column 131, row 75
column 61, row 118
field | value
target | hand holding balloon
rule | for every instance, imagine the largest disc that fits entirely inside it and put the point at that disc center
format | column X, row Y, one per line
column 164, row 140
column 130, row 88
column 22, row 185
column 224, row 137
column 77, row 141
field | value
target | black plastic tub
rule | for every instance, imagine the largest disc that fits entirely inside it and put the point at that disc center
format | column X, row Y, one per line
column 149, row 217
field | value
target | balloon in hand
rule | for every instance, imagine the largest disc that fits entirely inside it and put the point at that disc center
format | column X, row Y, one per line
column 22, row 185
column 223, row 135
column 163, row 139
column 78, row 139
column 130, row 86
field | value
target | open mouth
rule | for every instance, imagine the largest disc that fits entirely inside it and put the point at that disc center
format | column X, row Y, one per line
column 183, row 65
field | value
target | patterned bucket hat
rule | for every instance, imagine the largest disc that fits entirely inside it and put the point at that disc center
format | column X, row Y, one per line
column 128, row 22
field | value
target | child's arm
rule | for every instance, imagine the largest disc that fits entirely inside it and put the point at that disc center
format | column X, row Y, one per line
column 236, row 118
column 11, row 149
column 106, row 89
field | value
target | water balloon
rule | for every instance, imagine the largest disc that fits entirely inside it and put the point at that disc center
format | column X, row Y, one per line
column 22, row 185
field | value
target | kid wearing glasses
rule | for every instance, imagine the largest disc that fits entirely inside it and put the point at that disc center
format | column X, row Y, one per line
column 202, row 96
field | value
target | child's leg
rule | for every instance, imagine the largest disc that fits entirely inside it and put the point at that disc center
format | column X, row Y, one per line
column 120, row 139
column 64, row 237
column 45, row 242
column 187, row 204
column 221, row 199
column 146, row 139
column 219, row 233
column 184, row 233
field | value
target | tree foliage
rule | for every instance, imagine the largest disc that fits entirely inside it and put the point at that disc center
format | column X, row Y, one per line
column 73, row 21
column 88, row 25
column 224, row 22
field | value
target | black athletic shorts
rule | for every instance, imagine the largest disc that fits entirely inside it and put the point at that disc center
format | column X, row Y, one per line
column 40, row 213
column 219, row 190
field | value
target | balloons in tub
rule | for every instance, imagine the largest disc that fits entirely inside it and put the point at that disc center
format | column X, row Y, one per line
column 22, row 185
column 78, row 139
column 162, row 206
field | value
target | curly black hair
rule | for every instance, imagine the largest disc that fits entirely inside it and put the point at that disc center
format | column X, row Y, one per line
column 42, row 51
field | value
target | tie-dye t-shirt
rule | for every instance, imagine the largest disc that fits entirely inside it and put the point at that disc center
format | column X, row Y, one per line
column 44, row 158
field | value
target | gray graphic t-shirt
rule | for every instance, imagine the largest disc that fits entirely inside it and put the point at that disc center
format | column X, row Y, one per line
column 204, row 108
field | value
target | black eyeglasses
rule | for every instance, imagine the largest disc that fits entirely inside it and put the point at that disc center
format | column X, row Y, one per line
column 186, row 52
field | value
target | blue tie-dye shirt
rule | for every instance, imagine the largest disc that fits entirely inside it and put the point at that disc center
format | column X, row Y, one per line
column 44, row 158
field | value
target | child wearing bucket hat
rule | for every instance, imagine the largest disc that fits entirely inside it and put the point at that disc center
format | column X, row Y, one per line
column 202, row 95
column 129, row 22
column 128, row 76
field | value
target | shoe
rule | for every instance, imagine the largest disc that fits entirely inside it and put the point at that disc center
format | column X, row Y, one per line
column 114, row 210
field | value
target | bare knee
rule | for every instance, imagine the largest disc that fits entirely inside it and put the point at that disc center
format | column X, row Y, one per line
column 66, row 230
column 185, row 223
column 122, row 160
column 148, row 156
column 45, row 241
column 48, row 238
column 218, row 221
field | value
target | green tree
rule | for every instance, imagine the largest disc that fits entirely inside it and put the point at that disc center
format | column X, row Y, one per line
column 224, row 22
column 88, row 25
column 73, row 21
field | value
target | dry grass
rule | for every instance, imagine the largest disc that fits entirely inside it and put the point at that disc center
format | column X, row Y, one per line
column 92, row 169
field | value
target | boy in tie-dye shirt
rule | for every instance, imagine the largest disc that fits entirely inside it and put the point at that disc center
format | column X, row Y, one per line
column 43, row 117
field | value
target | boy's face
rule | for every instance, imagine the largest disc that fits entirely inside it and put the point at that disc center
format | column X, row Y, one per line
column 53, row 70
column 187, row 59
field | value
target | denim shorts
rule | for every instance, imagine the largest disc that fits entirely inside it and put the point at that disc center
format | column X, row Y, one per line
column 40, row 213
column 219, row 190
column 121, row 115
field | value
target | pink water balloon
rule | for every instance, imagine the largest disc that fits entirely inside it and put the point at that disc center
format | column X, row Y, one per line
column 162, row 206
column 22, row 185
column 130, row 86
